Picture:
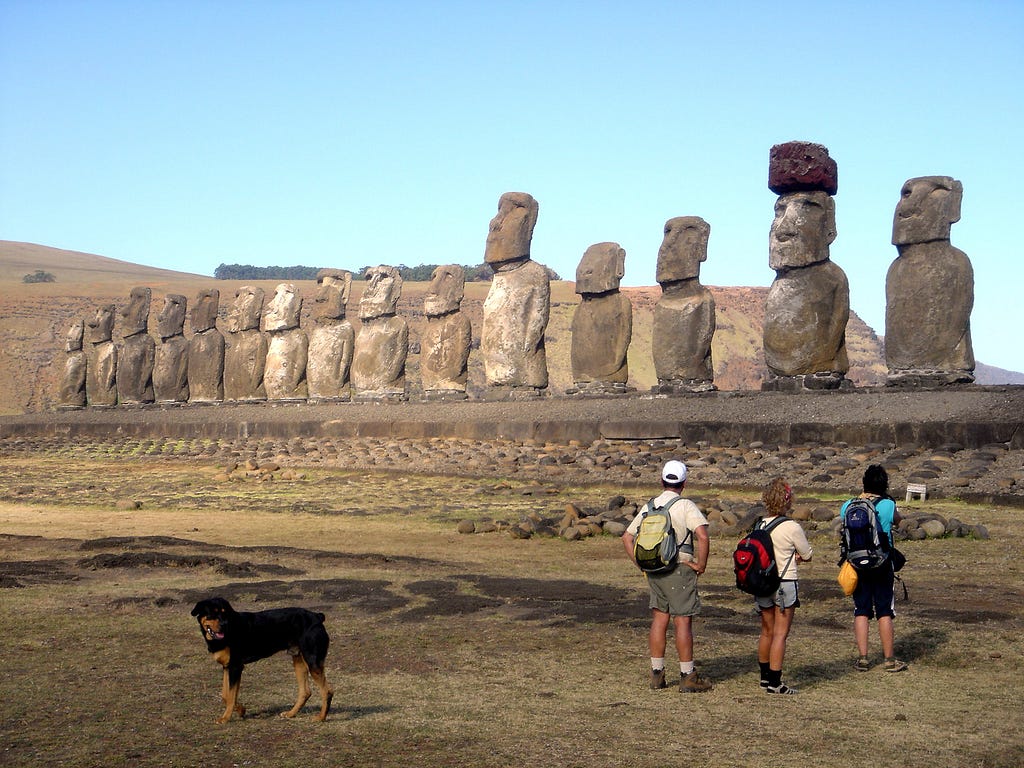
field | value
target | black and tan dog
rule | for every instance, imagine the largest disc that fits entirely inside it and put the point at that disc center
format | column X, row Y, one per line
column 236, row 638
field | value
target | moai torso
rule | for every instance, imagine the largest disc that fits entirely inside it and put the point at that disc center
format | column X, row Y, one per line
column 447, row 335
column 331, row 340
column 72, row 386
column 518, row 303
column 929, row 289
column 602, row 324
column 382, row 344
column 245, row 347
column 136, row 355
column 206, row 350
column 684, row 317
column 170, row 370
column 101, row 363
column 284, row 377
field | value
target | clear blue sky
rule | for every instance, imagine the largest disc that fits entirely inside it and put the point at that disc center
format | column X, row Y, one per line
column 187, row 134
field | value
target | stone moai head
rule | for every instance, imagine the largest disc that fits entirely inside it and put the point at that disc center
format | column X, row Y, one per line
column 601, row 269
column 73, row 338
column 511, row 230
column 803, row 228
column 683, row 248
column 204, row 311
column 447, row 287
column 283, row 310
column 135, row 314
column 171, row 320
column 101, row 326
column 927, row 210
column 380, row 297
column 805, row 177
column 333, row 288
column 246, row 310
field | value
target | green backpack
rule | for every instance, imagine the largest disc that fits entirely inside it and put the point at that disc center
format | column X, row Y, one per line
column 655, row 547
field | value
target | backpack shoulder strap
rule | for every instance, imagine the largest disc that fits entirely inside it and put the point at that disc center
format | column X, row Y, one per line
column 775, row 523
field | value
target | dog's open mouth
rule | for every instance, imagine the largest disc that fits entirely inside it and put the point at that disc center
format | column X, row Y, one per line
column 212, row 635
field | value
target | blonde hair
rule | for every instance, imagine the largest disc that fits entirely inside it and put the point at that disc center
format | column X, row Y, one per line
column 777, row 497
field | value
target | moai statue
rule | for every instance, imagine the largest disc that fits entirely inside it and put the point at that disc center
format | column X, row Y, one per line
column 929, row 290
column 518, row 303
column 684, row 317
column 808, row 303
column 284, row 376
column 101, row 362
column 245, row 348
column 205, row 350
column 332, row 339
column 137, row 352
column 72, row 384
column 602, row 325
column 382, row 344
column 445, row 342
column 170, row 371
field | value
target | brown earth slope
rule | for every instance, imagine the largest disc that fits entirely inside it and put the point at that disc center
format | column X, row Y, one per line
column 35, row 316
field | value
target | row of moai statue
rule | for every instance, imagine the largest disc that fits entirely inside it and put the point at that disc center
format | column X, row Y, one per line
column 268, row 356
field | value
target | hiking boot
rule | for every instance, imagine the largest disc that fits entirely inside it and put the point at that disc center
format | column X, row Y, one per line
column 657, row 679
column 694, row 683
column 862, row 665
column 781, row 688
column 894, row 665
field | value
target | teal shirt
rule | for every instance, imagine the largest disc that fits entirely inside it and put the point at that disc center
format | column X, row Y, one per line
column 886, row 511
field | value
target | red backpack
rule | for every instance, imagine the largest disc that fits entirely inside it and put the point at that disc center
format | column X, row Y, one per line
column 754, row 560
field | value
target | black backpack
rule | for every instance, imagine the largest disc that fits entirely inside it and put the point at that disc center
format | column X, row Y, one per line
column 754, row 560
column 862, row 541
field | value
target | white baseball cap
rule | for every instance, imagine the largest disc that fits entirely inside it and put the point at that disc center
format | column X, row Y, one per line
column 674, row 472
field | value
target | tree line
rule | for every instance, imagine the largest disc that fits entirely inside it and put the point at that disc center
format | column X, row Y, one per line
column 474, row 274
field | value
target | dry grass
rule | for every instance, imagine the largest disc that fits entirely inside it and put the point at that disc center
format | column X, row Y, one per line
column 457, row 650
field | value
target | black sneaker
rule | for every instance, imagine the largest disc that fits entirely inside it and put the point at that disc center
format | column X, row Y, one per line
column 781, row 688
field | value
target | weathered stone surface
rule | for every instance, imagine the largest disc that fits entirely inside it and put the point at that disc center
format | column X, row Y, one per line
column 446, row 338
column 516, row 314
column 684, row 317
column 284, row 376
column 808, row 304
column 799, row 166
column 602, row 325
column 511, row 230
column 137, row 351
column 170, row 367
column 332, row 339
column 382, row 344
column 805, row 321
column 684, row 247
column 929, row 289
column 101, row 353
column 245, row 351
column 72, row 385
column 205, row 350
column 683, row 328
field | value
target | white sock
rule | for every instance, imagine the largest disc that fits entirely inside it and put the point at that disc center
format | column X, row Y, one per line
column 657, row 664
column 685, row 667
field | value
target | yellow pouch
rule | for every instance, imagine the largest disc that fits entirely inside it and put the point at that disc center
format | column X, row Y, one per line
column 847, row 578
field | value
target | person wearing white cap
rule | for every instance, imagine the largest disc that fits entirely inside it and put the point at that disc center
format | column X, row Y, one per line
column 673, row 595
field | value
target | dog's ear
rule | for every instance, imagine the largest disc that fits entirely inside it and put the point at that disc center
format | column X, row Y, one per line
column 199, row 608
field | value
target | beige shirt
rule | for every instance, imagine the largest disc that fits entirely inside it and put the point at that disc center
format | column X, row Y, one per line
column 788, row 538
column 686, row 516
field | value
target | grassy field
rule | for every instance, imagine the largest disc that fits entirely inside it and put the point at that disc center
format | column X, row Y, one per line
column 448, row 649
